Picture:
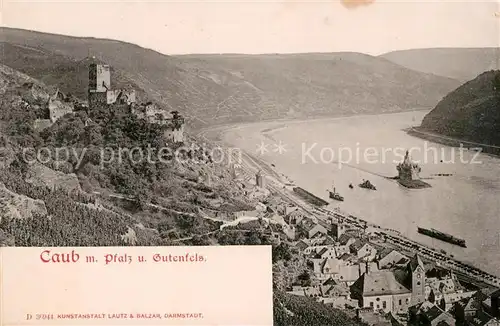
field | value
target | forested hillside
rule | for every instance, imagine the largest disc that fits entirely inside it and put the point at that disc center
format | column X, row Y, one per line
column 291, row 310
column 75, row 218
column 471, row 112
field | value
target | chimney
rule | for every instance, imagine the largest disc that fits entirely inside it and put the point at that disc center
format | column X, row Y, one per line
column 367, row 267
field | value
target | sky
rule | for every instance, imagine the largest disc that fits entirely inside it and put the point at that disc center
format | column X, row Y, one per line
column 266, row 26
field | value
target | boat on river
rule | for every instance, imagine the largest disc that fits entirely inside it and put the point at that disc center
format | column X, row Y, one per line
column 442, row 236
column 335, row 195
column 366, row 184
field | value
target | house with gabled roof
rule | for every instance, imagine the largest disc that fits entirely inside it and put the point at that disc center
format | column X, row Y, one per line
column 348, row 238
column 286, row 209
column 294, row 217
column 467, row 309
column 330, row 268
column 380, row 291
column 311, row 229
column 350, row 259
column 483, row 319
column 363, row 249
column 427, row 313
column 326, row 252
column 392, row 258
column 445, row 291
column 492, row 304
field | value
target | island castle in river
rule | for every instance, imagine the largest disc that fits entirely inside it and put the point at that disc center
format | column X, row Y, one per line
column 408, row 170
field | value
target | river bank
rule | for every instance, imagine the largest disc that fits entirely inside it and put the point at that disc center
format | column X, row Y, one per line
column 464, row 203
column 219, row 129
column 453, row 142
column 393, row 236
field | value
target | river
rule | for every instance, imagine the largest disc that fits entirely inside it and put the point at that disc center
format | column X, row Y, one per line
column 466, row 204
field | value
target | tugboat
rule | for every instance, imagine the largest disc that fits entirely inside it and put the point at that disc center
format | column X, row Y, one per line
column 335, row 195
column 351, row 186
column 366, row 184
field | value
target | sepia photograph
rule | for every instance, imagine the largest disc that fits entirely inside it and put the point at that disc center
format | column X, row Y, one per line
column 359, row 140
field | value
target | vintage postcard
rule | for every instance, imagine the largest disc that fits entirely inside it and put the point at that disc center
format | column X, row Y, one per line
column 249, row 162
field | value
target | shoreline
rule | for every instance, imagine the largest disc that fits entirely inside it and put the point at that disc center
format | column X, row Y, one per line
column 452, row 142
column 278, row 178
column 224, row 127
column 413, row 184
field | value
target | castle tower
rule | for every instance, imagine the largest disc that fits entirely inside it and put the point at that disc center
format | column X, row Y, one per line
column 417, row 274
column 408, row 170
column 99, row 83
column 177, row 127
column 259, row 179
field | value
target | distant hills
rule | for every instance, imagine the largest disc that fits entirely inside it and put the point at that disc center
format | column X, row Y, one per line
column 471, row 112
column 458, row 63
column 219, row 89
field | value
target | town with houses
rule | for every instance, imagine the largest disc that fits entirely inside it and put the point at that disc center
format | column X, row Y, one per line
column 375, row 274
column 339, row 260
column 350, row 266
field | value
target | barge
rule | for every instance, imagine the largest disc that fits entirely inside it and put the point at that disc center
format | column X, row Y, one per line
column 442, row 236
column 306, row 195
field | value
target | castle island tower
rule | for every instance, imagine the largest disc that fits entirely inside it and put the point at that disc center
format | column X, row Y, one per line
column 408, row 170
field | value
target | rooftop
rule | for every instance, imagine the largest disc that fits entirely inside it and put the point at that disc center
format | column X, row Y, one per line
column 380, row 283
column 358, row 244
column 480, row 319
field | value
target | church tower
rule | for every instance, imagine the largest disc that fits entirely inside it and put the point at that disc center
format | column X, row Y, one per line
column 338, row 228
column 417, row 274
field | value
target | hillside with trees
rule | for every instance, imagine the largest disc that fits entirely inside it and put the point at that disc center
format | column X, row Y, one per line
column 78, row 219
column 290, row 310
column 471, row 112
column 219, row 89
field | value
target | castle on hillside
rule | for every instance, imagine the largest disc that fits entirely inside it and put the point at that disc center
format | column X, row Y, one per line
column 408, row 170
column 100, row 92
column 55, row 107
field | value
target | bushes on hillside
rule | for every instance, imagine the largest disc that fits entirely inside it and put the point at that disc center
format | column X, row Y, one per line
column 290, row 310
